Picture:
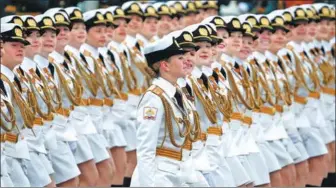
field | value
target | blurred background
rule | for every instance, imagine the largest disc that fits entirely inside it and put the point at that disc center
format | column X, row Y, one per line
column 226, row 7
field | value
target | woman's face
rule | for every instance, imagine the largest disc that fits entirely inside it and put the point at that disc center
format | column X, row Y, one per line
column 332, row 29
column 234, row 42
column 323, row 26
column 190, row 59
column 1, row 50
column 109, row 33
column 150, row 27
column 78, row 33
column 13, row 53
column 134, row 25
column 189, row 19
column 97, row 36
column 311, row 29
column 48, row 40
column 34, row 39
column 204, row 54
column 63, row 36
column 222, row 33
column 278, row 40
column 246, row 48
column 200, row 16
column 264, row 40
column 300, row 32
column 175, row 66
column 289, row 34
column 175, row 24
column 164, row 25
column 119, row 34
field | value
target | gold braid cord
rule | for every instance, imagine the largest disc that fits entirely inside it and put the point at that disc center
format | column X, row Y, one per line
column 141, row 65
column 86, row 75
column 73, row 96
column 169, row 115
column 102, row 77
column 45, row 95
column 25, row 108
column 208, row 106
column 255, row 84
column 265, row 87
column 129, row 75
column 300, row 72
column 5, row 118
column 219, row 99
column 54, row 91
column 246, row 85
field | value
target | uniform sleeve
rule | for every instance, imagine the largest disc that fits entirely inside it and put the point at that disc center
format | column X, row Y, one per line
column 150, row 117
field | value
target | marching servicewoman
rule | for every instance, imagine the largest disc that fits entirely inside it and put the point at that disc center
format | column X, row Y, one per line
column 168, row 94
column 163, row 122
column 80, row 117
column 14, row 145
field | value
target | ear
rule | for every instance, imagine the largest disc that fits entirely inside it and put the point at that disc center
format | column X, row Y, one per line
column 164, row 66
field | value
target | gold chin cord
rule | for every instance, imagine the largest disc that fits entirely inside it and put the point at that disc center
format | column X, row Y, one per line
column 25, row 108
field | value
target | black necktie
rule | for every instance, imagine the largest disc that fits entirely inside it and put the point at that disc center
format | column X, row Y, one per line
column 189, row 89
column 112, row 59
column 51, row 69
column 215, row 75
column 223, row 72
column 178, row 97
column 205, row 81
column 17, row 81
column 2, row 87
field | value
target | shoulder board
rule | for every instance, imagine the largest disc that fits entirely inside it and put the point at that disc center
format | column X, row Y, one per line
column 86, row 53
column 156, row 90
column 51, row 59
column 289, row 47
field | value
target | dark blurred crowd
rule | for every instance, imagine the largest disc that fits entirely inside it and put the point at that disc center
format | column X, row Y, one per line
column 226, row 7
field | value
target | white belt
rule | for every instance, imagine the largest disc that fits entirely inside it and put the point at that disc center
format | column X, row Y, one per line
column 64, row 130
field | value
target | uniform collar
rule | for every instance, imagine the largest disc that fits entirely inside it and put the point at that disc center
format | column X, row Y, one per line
column 333, row 40
column 181, row 82
column 7, row 72
column 72, row 50
column 58, row 58
column 166, row 86
column 41, row 61
column 215, row 65
column 282, row 52
column 130, row 41
column 27, row 64
column 226, row 58
column 114, row 44
column 297, row 47
column 207, row 71
column 259, row 56
column 269, row 55
column 143, row 39
column 197, row 73
column 89, row 48
column 317, row 43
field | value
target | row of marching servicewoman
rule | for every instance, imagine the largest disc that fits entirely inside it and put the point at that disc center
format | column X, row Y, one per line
column 168, row 94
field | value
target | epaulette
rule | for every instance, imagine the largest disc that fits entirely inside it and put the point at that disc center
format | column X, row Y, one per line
column 156, row 90
column 289, row 47
column 86, row 53
column 51, row 59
